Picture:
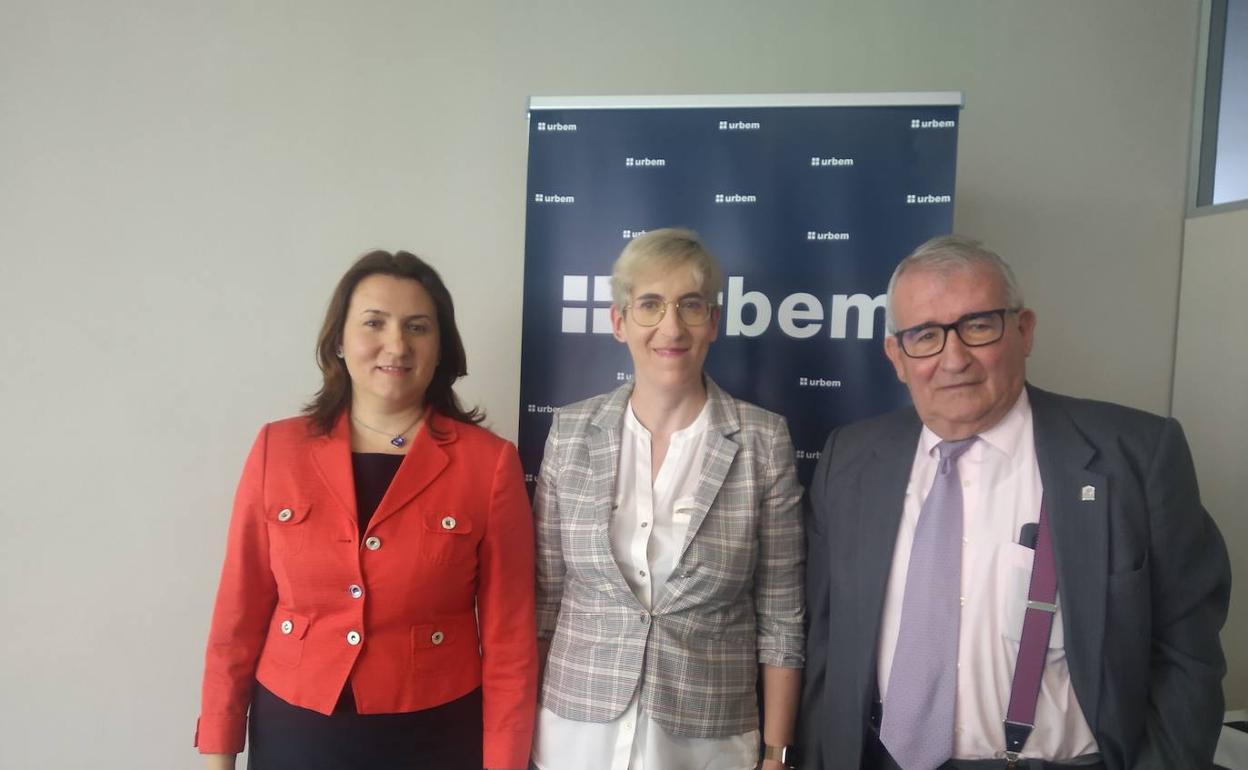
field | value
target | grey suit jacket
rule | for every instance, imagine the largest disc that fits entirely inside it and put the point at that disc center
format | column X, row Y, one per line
column 734, row 599
column 1142, row 571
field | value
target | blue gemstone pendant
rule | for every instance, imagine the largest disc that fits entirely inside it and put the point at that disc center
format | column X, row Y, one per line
column 398, row 441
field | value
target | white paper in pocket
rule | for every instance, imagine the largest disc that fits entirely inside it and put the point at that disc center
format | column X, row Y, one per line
column 682, row 511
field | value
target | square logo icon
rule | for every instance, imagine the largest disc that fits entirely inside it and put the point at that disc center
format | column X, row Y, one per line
column 574, row 320
column 575, row 288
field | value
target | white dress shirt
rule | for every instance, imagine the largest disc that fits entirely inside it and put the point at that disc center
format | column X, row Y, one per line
column 1001, row 492
column 648, row 528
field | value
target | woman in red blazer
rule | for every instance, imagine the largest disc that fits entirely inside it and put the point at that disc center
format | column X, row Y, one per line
column 375, row 608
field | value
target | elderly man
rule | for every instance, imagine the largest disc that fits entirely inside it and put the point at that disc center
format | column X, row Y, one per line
column 999, row 576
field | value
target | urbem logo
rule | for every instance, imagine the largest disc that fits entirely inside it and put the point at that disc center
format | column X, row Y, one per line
column 543, row 126
column 739, row 125
column 919, row 200
column 800, row 315
column 544, row 198
column 817, row 162
column 817, row 382
column 932, row 123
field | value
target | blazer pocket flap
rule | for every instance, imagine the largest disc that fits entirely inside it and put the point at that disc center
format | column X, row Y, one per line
column 442, row 633
column 287, row 514
column 447, row 522
column 289, row 624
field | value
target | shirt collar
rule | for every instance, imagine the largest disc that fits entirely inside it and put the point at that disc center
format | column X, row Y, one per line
column 699, row 424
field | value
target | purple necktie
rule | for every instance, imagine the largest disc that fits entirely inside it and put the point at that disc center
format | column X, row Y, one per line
column 917, row 727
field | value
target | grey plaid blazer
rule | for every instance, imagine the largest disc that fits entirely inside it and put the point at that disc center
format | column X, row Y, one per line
column 734, row 600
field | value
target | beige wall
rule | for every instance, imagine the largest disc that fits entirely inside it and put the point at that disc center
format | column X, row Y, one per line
column 181, row 183
column 1211, row 400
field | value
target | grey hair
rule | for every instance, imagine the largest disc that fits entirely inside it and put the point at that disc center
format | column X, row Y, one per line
column 947, row 254
column 660, row 251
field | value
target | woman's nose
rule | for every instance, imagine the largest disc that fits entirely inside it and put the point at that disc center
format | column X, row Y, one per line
column 670, row 323
column 394, row 341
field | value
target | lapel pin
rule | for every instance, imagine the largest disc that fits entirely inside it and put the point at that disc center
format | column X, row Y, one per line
column 1087, row 493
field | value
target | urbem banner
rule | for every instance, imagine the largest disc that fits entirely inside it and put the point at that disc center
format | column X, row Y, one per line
column 808, row 202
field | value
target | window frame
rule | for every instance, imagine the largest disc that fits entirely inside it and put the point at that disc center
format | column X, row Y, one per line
column 1206, row 107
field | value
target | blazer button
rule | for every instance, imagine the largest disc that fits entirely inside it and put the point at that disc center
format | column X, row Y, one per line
column 287, row 626
column 285, row 514
column 448, row 522
column 373, row 543
column 645, row 619
column 353, row 638
column 356, row 591
column 437, row 637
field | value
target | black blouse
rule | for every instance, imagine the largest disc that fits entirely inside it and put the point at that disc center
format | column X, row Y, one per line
column 373, row 474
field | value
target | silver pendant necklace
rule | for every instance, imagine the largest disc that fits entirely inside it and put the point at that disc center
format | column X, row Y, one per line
column 398, row 440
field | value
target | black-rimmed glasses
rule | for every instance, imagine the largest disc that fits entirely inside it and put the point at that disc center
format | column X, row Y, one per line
column 649, row 311
column 974, row 329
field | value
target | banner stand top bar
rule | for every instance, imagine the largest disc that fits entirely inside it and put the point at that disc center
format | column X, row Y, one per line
column 890, row 99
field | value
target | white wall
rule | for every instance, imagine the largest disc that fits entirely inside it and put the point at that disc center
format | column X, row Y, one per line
column 182, row 183
column 1211, row 400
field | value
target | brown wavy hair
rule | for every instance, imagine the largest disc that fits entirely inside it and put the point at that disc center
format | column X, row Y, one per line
column 334, row 397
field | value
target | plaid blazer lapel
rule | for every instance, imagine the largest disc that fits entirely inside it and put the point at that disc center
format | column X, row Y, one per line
column 603, row 443
column 720, row 451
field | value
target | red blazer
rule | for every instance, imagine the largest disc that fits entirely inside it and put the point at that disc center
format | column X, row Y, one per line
column 305, row 602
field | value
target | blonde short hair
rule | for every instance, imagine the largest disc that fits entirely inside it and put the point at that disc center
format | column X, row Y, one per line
column 660, row 251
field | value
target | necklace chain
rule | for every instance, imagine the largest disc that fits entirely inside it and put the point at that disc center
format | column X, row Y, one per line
column 395, row 439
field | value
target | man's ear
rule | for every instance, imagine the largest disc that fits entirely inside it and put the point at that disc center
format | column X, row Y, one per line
column 896, row 356
column 1027, row 327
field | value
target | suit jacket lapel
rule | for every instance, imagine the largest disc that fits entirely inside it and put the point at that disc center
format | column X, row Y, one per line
column 603, row 443
column 425, row 460
column 1080, row 530
column 331, row 455
column 883, row 498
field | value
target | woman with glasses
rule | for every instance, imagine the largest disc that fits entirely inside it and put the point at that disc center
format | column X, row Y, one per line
column 669, row 547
